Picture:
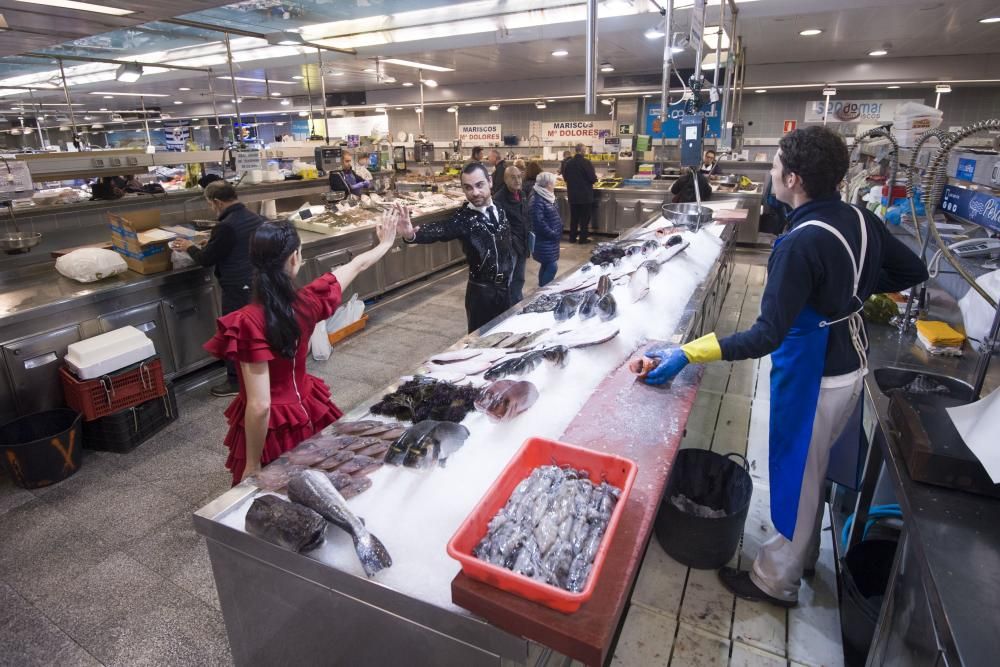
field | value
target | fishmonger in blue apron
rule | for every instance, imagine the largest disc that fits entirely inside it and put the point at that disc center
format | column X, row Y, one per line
column 833, row 257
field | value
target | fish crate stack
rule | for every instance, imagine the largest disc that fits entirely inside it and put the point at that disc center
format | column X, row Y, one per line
column 115, row 380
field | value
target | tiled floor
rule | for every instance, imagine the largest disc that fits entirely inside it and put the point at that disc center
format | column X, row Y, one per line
column 105, row 567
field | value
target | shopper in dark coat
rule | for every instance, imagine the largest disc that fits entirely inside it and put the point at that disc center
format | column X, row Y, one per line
column 683, row 188
column 499, row 166
column 580, row 177
column 547, row 226
column 531, row 172
column 228, row 250
column 514, row 204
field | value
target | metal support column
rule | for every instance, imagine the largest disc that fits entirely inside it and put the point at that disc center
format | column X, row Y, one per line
column 590, row 84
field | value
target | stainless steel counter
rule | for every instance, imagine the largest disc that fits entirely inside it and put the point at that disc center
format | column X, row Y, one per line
column 323, row 614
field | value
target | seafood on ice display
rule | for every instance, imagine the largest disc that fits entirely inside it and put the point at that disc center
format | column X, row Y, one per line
column 313, row 489
column 285, row 524
column 527, row 362
column 551, row 527
column 427, row 443
column 505, row 399
column 426, row 398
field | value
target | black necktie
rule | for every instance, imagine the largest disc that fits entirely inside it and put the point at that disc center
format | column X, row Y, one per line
column 491, row 215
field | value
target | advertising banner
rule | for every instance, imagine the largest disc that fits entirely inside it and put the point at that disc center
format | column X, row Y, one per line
column 854, row 111
column 671, row 128
column 488, row 133
column 569, row 132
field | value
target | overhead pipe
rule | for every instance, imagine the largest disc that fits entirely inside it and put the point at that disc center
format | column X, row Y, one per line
column 145, row 121
column 590, row 84
column 236, row 96
column 246, row 33
column 89, row 59
column 727, row 96
column 668, row 59
column 423, row 110
column 215, row 108
column 69, row 105
column 322, row 92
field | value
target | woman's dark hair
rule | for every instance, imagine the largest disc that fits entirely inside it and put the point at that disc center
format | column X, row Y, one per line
column 271, row 246
column 477, row 153
column 818, row 156
column 532, row 170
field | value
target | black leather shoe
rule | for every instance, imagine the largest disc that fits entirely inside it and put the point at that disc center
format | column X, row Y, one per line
column 225, row 388
column 739, row 583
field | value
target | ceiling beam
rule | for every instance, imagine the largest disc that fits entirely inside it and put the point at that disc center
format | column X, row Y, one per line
column 89, row 59
column 248, row 33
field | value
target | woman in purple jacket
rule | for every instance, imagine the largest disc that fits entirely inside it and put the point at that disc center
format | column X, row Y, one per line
column 547, row 226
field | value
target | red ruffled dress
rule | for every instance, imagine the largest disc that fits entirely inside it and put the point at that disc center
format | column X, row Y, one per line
column 300, row 403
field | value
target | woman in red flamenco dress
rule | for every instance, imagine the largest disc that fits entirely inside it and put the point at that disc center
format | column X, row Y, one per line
column 279, row 404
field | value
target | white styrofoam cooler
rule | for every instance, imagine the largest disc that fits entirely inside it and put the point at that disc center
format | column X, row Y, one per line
column 108, row 352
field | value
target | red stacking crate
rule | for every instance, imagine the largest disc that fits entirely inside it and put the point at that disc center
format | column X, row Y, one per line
column 536, row 452
column 116, row 391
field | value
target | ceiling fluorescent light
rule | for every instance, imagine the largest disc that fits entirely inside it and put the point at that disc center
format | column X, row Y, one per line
column 129, row 72
column 607, row 67
column 878, row 52
column 286, row 103
column 990, row 19
column 494, row 107
column 407, row 84
column 559, row 53
column 80, row 6
column 253, row 80
column 106, row 95
column 285, row 39
column 430, row 83
column 810, row 32
column 416, row 65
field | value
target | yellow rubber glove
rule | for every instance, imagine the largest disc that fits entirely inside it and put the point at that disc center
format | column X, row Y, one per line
column 703, row 350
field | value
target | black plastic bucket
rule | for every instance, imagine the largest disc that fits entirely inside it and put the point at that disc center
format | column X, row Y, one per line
column 43, row 448
column 865, row 574
column 715, row 481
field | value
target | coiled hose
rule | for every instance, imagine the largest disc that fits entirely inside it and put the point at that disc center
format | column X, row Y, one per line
column 911, row 178
column 882, row 131
column 933, row 187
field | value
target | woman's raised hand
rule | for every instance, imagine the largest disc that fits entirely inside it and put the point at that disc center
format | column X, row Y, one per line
column 386, row 228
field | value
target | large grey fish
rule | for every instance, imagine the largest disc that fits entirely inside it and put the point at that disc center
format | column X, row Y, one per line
column 314, row 489
column 285, row 524
column 426, row 443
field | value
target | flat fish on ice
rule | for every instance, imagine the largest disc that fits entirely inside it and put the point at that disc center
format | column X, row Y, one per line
column 491, row 340
column 335, row 461
column 354, row 428
column 315, row 490
column 376, row 450
column 275, row 475
column 288, row 525
column 360, row 464
column 363, row 443
column 585, row 336
column 452, row 356
column 505, row 399
column 589, row 306
column 567, row 307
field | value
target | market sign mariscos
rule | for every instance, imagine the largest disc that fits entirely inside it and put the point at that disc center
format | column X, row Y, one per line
column 566, row 132
column 483, row 134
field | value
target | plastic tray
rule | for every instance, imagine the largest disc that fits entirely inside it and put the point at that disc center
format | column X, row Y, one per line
column 129, row 428
column 537, row 452
column 111, row 393
column 352, row 328
column 108, row 352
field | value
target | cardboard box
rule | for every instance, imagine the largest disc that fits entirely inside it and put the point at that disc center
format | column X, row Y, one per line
column 142, row 256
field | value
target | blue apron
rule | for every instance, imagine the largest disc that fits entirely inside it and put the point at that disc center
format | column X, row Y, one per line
column 796, row 373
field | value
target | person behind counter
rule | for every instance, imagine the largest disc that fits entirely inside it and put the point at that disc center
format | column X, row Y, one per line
column 511, row 199
column 579, row 174
column 819, row 274
column 683, row 188
column 347, row 180
column 279, row 405
column 228, row 250
column 547, row 225
column 710, row 164
column 485, row 234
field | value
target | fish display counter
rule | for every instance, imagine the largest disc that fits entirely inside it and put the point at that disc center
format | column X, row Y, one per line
column 400, row 474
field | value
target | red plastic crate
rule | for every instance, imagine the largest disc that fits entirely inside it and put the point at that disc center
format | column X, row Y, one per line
column 113, row 392
column 537, row 452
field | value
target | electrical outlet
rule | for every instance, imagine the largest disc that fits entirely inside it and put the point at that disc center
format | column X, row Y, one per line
column 98, row 163
column 116, row 162
column 132, row 161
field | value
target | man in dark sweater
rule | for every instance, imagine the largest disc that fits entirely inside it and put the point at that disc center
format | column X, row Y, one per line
column 832, row 259
column 228, row 250
column 483, row 229
column 499, row 166
column 580, row 177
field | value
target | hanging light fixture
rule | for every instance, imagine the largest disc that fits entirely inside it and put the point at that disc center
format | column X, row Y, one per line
column 129, row 72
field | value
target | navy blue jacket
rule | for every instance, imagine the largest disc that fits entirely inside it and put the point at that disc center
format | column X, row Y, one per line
column 811, row 267
column 547, row 225
column 228, row 247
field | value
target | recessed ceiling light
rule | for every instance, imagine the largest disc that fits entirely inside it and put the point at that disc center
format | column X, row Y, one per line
column 648, row 95
column 430, row 83
column 108, row 97
column 407, row 84
column 285, row 103
column 607, row 67
column 80, row 6
column 467, row 104
column 183, row 89
column 303, row 114
column 810, row 32
column 761, row 90
column 416, row 65
column 195, row 120
column 559, row 53
column 297, row 77
column 275, row 94
column 990, row 19
column 550, row 100
column 178, row 102
column 653, row 33
column 606, row 102
column 452, row 109
column 101, row 109
column 878, row 52
column 893, row 87
column 494, row 107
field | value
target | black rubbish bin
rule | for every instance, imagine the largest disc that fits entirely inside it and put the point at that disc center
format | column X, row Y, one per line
column 43, row 448
column 865, row 572
column 715, row 481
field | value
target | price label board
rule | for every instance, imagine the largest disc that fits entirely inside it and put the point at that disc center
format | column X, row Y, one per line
column 247, row 160
column 15, row 179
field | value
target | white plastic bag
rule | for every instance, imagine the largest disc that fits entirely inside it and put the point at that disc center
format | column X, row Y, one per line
column 87, row 265
column 348, row 313
column 977, row 315
column 180, row 260
column 319, row 343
